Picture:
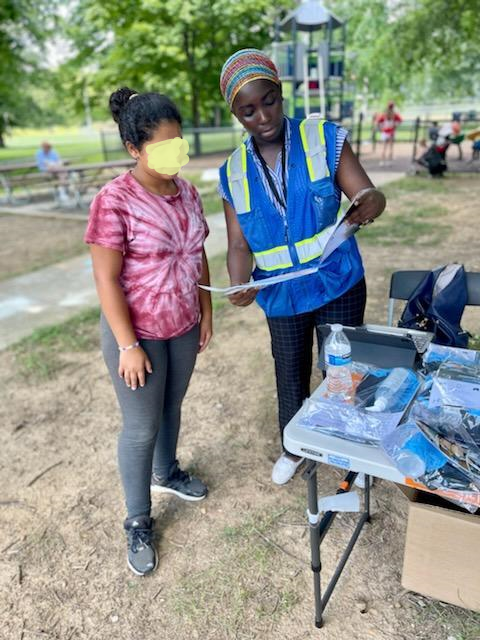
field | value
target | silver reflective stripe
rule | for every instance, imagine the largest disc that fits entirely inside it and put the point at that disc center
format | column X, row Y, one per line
column 314, row 146
column 237, row 180
column 313, row 247
column 276, row 258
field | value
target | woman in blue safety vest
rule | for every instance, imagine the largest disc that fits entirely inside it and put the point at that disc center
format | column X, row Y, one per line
column 281, row 193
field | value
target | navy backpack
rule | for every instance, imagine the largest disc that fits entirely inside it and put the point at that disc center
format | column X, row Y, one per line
column 437, row 305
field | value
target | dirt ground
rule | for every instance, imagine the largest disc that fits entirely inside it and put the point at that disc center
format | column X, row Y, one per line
column 37, row 242
column 237, row 565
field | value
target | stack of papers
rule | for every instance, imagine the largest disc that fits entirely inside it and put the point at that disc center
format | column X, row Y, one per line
column 260, row 284
column 342, row 232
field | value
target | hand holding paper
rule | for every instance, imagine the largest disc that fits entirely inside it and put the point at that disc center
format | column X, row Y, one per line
column 260, row 284
column 367, row 205
column 342, row 230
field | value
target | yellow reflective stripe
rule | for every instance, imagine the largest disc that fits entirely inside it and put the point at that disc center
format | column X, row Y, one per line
column 244, row 157
column 310, row 257
column 246, row 186
column 310, row 240
column 270, row 251
column 266, row 259
column 277, row 266
column 237, row 180
column 303, row 135
column 307, row 127
column 321, row 131
column 319, row 239
column 306, row 257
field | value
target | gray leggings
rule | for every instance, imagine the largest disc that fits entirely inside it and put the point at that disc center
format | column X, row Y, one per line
column 151, row 414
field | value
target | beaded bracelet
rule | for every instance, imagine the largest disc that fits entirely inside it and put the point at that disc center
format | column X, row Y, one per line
column 130, row 346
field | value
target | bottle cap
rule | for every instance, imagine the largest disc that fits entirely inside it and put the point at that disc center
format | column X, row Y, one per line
column 337, row 327
column 379, row 405
column 411, row 465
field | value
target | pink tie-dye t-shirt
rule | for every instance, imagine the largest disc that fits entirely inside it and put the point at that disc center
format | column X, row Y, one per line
column 161, row 239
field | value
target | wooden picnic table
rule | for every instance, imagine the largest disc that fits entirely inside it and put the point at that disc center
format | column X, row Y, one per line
column 8, row 167
column 100, row 166
column 76, row 179
column 17, row 175
column 24, row 176
column 82, row 177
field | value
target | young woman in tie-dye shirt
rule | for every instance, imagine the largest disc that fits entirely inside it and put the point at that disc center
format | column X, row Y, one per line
column 146, row 231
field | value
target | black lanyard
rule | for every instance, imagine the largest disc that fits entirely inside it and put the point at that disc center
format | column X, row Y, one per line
column 281, row 201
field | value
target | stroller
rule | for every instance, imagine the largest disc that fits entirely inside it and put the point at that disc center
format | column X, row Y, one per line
column 434, row 159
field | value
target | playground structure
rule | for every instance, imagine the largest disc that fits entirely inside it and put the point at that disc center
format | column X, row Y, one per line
column 311, row 62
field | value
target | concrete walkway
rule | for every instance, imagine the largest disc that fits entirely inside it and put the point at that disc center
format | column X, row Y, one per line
column 56, row 293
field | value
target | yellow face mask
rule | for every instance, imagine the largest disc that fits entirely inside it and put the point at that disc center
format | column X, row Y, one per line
column 168, row 157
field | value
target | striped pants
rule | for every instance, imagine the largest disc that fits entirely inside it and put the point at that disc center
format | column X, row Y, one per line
column 292, row 343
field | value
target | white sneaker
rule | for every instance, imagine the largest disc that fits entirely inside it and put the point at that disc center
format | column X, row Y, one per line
column 360, row 481
column 284, row 469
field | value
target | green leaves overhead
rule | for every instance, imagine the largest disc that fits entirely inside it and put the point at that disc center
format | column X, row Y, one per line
column 24, row 25
column 173, row 46
column 418, row 49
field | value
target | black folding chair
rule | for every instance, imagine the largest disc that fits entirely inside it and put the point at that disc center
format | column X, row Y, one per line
column 403, row 283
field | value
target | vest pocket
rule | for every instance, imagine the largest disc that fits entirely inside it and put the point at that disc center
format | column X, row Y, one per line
column 254, row 229
column 324, row 202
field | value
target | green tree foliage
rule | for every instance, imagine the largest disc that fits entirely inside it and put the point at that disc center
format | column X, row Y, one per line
column 172, row 46
column 23, row 27
column 421, row 49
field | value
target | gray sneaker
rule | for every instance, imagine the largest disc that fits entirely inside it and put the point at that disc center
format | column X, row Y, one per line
column 179, row 483
column 141, row 556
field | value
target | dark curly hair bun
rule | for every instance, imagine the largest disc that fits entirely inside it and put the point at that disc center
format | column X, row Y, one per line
column 118, row 100
column 139, row 118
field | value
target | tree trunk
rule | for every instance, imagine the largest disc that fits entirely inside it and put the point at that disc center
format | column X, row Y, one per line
column 2, row 140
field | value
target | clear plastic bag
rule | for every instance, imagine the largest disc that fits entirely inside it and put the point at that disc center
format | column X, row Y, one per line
column 356, row 421
column 436, row 354
column 447, row 414
column 455, row 432
column 416, row 457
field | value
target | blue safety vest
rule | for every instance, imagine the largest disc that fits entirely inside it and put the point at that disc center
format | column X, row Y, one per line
column 313, row 207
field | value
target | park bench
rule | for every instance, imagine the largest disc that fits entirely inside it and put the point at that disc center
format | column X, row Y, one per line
column 20, row 183
column 90, row 177
column 18, row 188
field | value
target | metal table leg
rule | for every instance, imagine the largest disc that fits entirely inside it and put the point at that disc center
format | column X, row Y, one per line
column 319, row 528
column 310, row 475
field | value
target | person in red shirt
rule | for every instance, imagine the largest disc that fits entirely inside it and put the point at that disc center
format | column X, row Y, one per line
column 146, row 232
column 387, row 123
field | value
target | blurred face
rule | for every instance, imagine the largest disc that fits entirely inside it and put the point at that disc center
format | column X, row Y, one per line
column 46, row 147
column 258, row 107
column 164, row 152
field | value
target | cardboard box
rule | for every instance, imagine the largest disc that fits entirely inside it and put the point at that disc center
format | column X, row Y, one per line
column 442, row 551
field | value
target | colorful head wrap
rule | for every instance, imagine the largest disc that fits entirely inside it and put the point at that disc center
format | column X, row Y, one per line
column 241, row 68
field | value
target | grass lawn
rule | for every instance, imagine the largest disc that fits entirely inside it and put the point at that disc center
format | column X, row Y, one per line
column 414, row 214
column 86, row 145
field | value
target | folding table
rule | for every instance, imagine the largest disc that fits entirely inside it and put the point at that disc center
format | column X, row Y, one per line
column 372, row 344
column 354, row 457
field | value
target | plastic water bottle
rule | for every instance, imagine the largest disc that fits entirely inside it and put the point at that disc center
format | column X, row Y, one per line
column 409, row 464
column 390, row 389
column 338, row 361
column 411, row 451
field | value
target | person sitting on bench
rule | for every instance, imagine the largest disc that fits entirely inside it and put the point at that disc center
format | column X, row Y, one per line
column 48, row 161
